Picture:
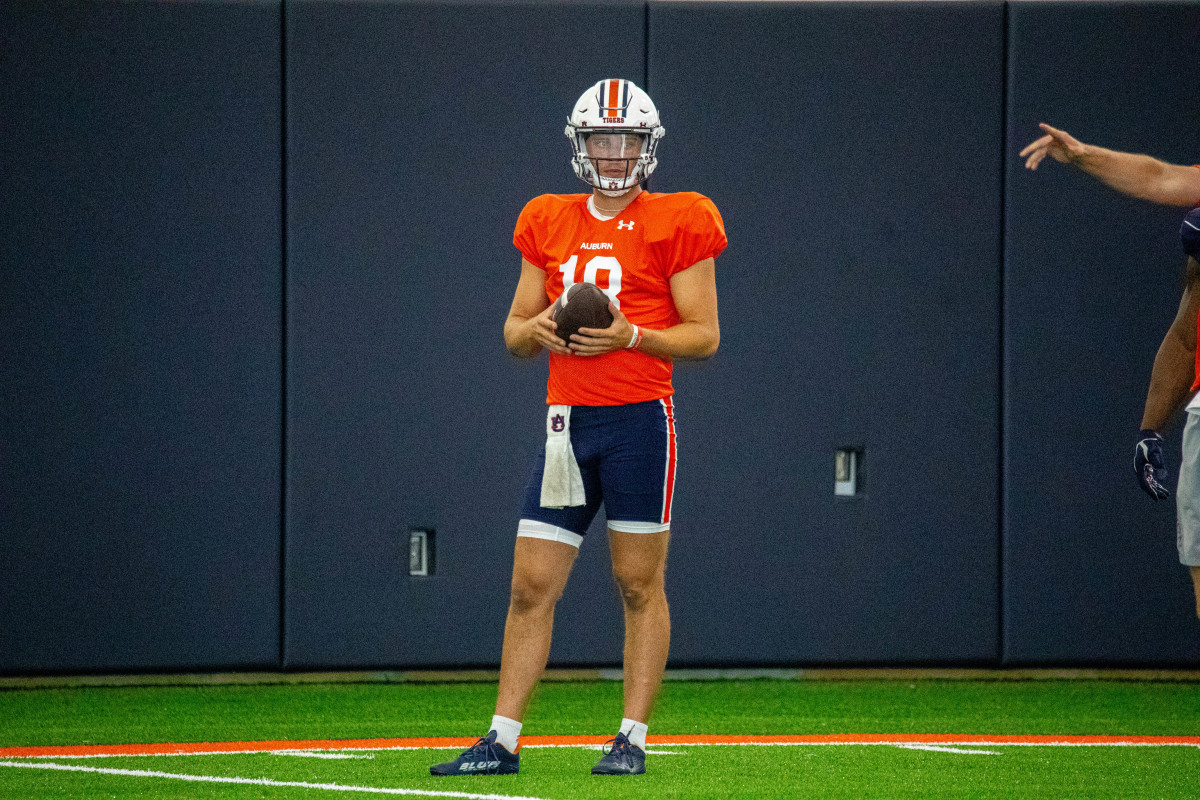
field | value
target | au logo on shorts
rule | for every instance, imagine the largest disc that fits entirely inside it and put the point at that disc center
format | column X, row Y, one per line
column 558, row 423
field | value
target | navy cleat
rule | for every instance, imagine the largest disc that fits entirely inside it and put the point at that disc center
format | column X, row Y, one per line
column 485, row 757
column 621, row 758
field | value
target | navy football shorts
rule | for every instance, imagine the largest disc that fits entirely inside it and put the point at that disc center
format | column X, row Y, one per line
column 626, row 457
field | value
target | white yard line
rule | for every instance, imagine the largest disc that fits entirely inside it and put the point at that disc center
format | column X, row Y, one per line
column 939, row 749
column 317, row 754
column 331, row 787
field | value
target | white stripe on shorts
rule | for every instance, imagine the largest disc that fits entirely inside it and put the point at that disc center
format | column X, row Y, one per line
column 638, row 527
column 533, row 529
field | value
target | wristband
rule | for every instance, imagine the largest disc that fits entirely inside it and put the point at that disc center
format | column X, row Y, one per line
column 636, row 340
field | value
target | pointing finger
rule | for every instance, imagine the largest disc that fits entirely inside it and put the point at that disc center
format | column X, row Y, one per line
column 1041, row 143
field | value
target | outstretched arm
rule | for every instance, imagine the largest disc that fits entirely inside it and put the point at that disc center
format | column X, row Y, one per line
column 1129, row 173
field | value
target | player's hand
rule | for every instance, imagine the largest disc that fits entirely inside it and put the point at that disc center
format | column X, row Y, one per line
column 544, row 332
column 1148, row 465
column 594, row 341
column 1059, row 145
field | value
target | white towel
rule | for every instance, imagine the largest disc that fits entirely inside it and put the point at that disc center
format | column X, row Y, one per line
column 562, row 485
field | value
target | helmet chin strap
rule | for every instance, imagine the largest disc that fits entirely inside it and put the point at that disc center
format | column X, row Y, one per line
column 613, row 192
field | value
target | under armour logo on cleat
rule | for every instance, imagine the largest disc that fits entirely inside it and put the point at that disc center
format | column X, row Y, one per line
column 621, row 225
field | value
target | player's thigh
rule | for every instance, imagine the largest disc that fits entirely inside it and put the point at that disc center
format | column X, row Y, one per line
column 638, row 469
column 639, row 560
column 541, row 568
column 567, row 524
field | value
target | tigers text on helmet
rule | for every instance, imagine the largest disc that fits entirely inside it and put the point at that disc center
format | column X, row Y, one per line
column 614, row 131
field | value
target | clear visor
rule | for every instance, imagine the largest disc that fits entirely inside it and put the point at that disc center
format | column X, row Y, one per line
column 614, row 145
column 614, row 155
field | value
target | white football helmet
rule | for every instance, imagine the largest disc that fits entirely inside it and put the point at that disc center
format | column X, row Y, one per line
column 621, row 124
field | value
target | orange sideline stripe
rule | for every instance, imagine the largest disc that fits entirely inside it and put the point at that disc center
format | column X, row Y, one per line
column 184, row 748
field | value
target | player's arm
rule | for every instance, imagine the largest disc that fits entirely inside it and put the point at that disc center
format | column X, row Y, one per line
column 528, row 328
column 1170, row 387
column 1129, row 173
column 696, row 336
column 1175, row 364
column 698, row 333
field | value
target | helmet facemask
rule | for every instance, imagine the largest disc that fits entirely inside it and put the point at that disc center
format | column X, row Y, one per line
column 613, row 161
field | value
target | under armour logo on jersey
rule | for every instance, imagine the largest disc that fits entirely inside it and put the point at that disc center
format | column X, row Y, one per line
column 621, row 225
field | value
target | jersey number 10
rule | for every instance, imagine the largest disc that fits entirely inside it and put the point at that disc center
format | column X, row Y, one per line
column 603, row 271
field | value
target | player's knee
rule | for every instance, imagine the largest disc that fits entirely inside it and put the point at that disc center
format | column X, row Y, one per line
column 532, row 591
column 639, row 590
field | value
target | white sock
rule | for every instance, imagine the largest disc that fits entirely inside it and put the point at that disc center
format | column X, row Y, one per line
column 507, row 732
column 635, row 732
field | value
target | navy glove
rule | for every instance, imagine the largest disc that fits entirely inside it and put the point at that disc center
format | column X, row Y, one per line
column 1148, row 465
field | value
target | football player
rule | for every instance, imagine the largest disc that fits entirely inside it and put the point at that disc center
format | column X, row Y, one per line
column 610, row 424
column 1176, row 374
column 1174, row 379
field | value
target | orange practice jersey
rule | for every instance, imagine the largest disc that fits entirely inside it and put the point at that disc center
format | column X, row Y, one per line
column 632, row 258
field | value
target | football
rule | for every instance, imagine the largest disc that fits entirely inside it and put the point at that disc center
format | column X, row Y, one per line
column 582, row 305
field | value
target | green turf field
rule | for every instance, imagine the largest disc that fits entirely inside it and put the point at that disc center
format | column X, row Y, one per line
column 79, row 716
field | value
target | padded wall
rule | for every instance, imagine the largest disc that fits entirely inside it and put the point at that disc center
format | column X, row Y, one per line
column 1092, row 281
column 416, row 132
column 856, row 153
column 859, row 306
column 140, row 318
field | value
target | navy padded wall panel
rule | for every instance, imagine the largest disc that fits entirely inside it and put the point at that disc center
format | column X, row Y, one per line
column 854, row 151
column 140, row 256
column 416, row 133
column 1092, row 282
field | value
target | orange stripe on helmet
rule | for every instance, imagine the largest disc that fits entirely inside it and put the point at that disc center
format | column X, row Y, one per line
column 614, row 98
